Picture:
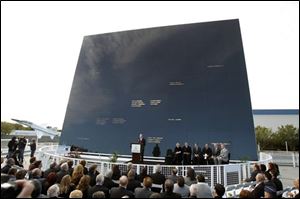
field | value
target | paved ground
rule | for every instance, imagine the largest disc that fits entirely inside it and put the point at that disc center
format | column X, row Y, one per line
column 288, row 174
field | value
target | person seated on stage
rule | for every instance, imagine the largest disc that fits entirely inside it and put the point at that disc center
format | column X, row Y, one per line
column 223, row 157
column 216, row 151
column 177, row 154
column 187, row 151
column 207, row 153
column 197, row 155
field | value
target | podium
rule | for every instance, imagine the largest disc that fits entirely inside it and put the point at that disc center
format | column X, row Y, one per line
column 136, row 152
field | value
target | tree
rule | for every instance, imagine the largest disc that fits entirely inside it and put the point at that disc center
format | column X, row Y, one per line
column 269, row 140
column 263, row 135
column 289, row 134
column 7, row 128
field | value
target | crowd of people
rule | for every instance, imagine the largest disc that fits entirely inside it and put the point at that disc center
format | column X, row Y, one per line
column 64, row 180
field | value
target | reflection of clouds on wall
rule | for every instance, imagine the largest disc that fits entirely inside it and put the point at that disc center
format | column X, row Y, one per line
column 113, row 58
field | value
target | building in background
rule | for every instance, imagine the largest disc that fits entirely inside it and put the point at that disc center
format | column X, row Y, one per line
column 274, row 118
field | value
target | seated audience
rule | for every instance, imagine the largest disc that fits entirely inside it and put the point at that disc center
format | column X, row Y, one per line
column 144, row 192
column 255, row 171
column 93, row 174
column 116, row 172
column 270, row 192
column 84, row 185
column 99, row 194
column 50, row 180
column 132, row 182
column 21, row 174
column 245, row 194
column 76, row 194
column 169, row 186
column 293, row 194
column 64, row 170
column 143, row 174
column 53, row 191
column 190, row 177
column 203, row 190
column 193, row 191
column 51, row 169
column 155, row 195
column 219, row 191
column 121, row 191
column 108, row 181
column 181, row 188
column 174, row 176
column 258, row 191
column 77, row 174
column 263, row 168
column 66, row 187
column 99, row 186
column 85, row 170
column 157, row 178
column 9, row 163
column 276, row 181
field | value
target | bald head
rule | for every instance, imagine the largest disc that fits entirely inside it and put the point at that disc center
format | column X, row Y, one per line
column 123, row 181
column 260, row 177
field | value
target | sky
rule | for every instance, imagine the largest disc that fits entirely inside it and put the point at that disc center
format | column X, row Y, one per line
column 41, row 41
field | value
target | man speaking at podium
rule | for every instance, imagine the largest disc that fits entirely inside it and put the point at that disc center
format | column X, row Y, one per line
column 142, row 142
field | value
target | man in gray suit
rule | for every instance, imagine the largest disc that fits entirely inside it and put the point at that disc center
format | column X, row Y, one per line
column 144, row 192
column 223, row 157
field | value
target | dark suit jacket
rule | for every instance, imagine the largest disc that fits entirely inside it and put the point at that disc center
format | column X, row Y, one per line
column 119, row 192
column 142, row 193
column 158, row 178
column 109, row 183
column 208, row 151
column 98, row 188
column 143, row 143
column 170, row 195
column 132, row 184
column 61, row 174
column 258, row 191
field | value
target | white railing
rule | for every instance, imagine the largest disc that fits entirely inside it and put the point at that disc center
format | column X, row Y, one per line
column 285, row 158
column 227, row 174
